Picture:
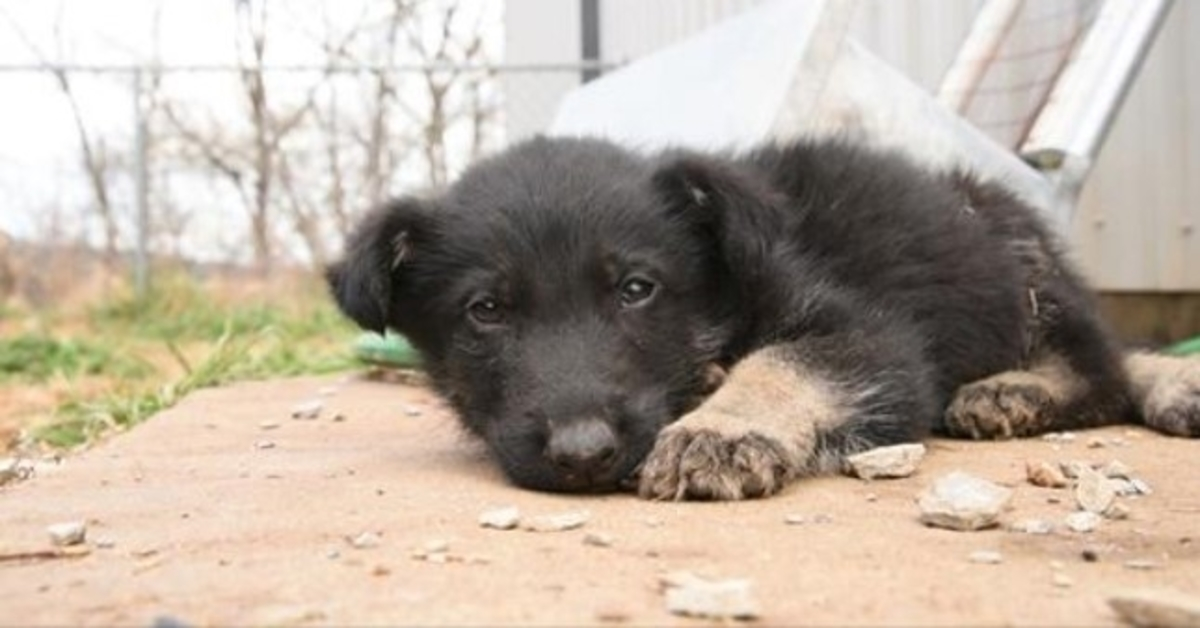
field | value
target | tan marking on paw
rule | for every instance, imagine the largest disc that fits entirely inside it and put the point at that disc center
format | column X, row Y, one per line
column 1013, row 403
column 1167, row 391
column 757, row 432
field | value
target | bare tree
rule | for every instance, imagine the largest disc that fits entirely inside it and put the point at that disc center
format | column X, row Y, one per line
column 94, row 156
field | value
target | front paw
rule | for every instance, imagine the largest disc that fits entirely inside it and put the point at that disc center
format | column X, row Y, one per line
column 703, row 463
column 1001, row 407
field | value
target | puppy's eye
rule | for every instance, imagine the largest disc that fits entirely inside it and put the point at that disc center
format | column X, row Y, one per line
column 637, row 291
column 486, row 311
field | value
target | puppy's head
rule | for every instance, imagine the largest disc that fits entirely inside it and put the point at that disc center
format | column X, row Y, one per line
column 569, row 299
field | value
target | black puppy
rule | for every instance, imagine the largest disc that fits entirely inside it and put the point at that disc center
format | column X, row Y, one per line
column 712, row 327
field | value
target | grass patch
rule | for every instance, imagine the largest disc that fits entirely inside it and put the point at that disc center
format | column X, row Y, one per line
column 211, row 338
column 37, row 357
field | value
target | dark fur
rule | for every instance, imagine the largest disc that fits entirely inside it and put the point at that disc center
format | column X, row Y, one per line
column 898, row 287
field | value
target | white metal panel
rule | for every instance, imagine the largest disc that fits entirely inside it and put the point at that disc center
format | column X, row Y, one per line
column 1136, row 228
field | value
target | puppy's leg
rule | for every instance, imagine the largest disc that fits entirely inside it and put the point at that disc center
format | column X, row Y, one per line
column 1074, row 378
column 1018, row 402
column 787, row 411
column 1166, row 390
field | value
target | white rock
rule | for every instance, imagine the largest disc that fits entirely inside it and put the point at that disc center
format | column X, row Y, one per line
column 557, row 523
column 364, row 540
column 959, row 501
column 1083, row 521
column 67, row 533
column 505, row 518
column 308, row 410
column 1117, row 469
column 896, row 461
column 1094, row 492
column 1147, row 607
column 693, row 596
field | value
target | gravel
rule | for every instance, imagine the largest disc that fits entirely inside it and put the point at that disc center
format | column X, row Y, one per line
column 1045, row 475
column 1032, row 526
column 598, row 539
column 959, row 501
column 67, row 533
column 1083, row 521
column 694, row 596
column 1094, row 492
column 1161, row 607
column 364, row 540
column 308, row 410
column 896, row 461
column 505, row 518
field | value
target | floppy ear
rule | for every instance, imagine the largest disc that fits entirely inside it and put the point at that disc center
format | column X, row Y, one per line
column 730, row 205
column 377, row 250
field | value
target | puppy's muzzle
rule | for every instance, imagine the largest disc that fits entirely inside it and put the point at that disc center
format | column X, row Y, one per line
column 582, row 450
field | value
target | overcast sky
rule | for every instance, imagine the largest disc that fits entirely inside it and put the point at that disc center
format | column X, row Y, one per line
column 38, row 144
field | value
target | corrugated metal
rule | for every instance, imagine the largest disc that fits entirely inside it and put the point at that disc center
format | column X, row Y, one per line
column 1136, row 227
column 1139, row 219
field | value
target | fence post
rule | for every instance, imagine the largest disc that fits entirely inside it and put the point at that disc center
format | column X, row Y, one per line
column 141, row 261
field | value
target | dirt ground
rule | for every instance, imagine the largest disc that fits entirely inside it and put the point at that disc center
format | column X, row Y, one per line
column 225, row 510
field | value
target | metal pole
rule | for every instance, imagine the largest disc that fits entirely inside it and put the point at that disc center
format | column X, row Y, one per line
column 141, row 270
column 590, row 37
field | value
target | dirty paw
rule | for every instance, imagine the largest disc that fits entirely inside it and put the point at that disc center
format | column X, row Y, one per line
column 995, row 409
column 705, row 464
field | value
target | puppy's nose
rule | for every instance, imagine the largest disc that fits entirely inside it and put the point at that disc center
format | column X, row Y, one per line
column 583, row 448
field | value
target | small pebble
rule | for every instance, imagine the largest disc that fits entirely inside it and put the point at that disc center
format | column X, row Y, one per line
column 1074, row 468
column 364, row 540
column 1060, row 437
column 894, row 461
column 653, row 522
column 264, row 444
column 1096, row 443
column 986, row 557
column 505, row 518
column 872, row 497
column 1045, row 475
column 598, row 539
column 1117, row 511
column 693, row 596
column 67, row 533
column 1083, row 521
column 1062, row 580
column 1142, row 564
column 1032, row 526
column 1141, row 486
column 308, row 410
column 268, row 425
column 1094, row 492
column 795, row 520
column 1117, row 469
column 1150, row 607
column 1089, row 555
column 556, row 523
column 411, row 411
column 959, row 501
